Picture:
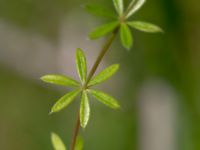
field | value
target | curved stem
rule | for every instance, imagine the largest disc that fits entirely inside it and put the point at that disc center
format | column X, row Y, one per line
column 93, row 70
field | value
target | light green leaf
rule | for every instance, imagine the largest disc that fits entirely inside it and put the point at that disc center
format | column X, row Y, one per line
column 84, row 110
column 105, row 99
column 79, row 143
column 57, row 142
column 60, row 80
column 119, row 6
column 64, row 101
column 100, row 11
column 135, row 7
column 131, row 4
column 81, row 65
column 126, row 36
column 145, row 27
column 104, row 75
column 103, row 30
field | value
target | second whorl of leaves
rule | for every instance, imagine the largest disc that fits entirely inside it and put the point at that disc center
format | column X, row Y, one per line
column 120, row 20
column 83, row 88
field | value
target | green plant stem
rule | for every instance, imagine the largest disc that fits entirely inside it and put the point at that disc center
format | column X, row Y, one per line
column 92, row 72
column 75, row 133
column 101, row 55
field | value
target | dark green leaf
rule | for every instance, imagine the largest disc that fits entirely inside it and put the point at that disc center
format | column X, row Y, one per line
column 100, row 11
column 126, row 36
column 105, row 99
column 103, row 30
column 145, row 27
column 84, row 110
column 57, row 142
column 81, row 65
column 104, row 75
column 59, row 80
column 65, row 101
column 119, row 6
column 134, row 8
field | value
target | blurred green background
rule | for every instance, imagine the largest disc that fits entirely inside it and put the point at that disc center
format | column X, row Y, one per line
column 158, row 84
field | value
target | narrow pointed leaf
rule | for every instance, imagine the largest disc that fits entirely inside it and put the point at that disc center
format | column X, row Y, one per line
column 119, row 6
column 105, row 99
column 104, row 75
column 59, row 80
column 57, row 142
column 100, row 11
column 81, row 65
column 135, row 7
column 64, row 101
column 103, row 30
column 131, row 4
column 126, row 36
column 79, row 143
column 145, row 27
column 84, row 110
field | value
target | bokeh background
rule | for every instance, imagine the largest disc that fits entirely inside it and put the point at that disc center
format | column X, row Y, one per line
column 158, row 85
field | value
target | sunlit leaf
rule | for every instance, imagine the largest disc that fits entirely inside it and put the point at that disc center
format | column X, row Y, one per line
column 135, row 7
column 100, row 11
column 79, row 143
column 57, row 142
column 105, row 99
column 145, row 27
column 104, row 75
column 59, row 80
column 84, row 110
column 103, row 30
column 64, row 101
column 119, row 6
column 81, row 65
column 126, row 36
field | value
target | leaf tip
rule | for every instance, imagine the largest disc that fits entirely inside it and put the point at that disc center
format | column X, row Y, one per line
column 117, row 106
column 117, row 66
column 42, row 78
column 51, row 112
column 83, row 125
column 79, row 50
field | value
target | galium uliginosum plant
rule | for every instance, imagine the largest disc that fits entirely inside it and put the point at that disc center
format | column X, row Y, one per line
column 119, row 23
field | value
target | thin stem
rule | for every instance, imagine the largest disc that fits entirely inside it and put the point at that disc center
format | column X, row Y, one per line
column 75, row 133
column 92, row 72
column 101, row 55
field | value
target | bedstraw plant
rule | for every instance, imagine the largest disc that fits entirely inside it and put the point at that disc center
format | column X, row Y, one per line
column 119, row 23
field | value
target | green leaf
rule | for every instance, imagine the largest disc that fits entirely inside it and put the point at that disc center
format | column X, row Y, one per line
column 105, row 99
column 103, row 30
column 100, row 11
column 119, row 6
column 84, row 110
column 104, row 75
column 126, row 36
column 64, row 101
column 57, row 142
column 81, row 65
column 145, row 27
column 60, row 80
column 135, row 7
column 79, row 143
